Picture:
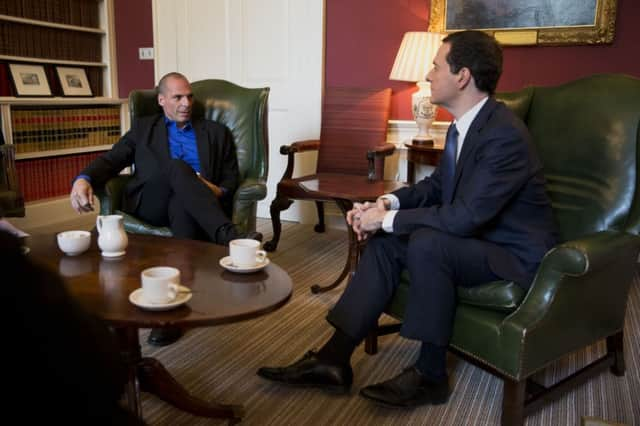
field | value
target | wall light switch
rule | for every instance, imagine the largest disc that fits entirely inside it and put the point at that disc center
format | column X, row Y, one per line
column 145, row 53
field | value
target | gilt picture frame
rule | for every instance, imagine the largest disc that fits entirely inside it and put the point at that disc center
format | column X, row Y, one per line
column 529, row 22
column 73, row 81
column 29, row 80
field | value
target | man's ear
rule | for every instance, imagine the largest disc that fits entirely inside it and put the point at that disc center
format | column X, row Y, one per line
column 464, row 77
column 161, row 100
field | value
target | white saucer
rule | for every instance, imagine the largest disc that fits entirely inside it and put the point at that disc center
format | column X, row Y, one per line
column 227, row 264
column 113, row 253
column 184, row 295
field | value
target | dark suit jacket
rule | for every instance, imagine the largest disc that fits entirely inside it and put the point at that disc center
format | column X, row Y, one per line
column 499, row 195
column 146, row 146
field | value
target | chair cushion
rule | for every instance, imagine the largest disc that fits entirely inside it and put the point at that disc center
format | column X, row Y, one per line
column 503, row 296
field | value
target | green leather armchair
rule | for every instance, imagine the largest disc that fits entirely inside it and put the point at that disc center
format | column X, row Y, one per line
column 11, row 199
column 244, row 112
column 586, row 133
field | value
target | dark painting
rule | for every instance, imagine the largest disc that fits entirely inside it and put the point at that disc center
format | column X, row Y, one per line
column 504, row 14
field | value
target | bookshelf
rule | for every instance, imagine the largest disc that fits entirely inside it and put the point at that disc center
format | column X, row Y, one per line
column 55, row 136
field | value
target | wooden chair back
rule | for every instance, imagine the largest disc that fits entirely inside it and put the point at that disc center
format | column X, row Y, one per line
column 354, row 121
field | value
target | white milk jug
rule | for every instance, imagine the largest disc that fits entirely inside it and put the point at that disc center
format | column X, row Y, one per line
column 112, row 239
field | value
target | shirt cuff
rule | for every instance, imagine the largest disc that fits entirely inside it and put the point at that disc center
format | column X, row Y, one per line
column 85, row 177
column 394, row 202
column 387, row 222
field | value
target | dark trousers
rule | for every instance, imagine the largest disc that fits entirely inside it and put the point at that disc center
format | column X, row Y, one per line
column 437, row 263
column 175, row 197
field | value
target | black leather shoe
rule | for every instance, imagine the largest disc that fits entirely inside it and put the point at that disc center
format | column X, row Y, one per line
column 164, row 336
column 311, row 371
column 408, row 389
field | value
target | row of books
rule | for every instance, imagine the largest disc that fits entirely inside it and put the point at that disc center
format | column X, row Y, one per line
column 48, row 129
column 18, row 39
column 50, row 177
column 83, row 13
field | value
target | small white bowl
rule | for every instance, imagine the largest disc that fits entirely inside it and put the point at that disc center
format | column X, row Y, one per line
column 74, row 243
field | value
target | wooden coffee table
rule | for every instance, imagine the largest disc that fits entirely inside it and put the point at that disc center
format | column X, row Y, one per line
column 103, row 286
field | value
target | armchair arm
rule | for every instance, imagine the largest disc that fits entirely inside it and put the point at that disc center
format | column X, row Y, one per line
column 250, row 190
column 290, row 150
column 300, row 146
column 376, row 160
column 245, row 203
column 110, row 195
column 578, row 296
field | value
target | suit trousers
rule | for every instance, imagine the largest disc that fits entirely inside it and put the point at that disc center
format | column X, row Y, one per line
column 437, row 263
column 177, row 198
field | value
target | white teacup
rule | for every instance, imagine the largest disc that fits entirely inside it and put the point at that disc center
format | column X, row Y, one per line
column 74, row 242
column 160, row 284
column 246, row 252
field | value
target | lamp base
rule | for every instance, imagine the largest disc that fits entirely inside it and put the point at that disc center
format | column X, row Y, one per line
column 424, row 112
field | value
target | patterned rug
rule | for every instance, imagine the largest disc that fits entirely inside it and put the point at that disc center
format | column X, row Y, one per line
column 219, row 363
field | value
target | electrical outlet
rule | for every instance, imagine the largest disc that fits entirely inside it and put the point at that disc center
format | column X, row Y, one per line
column 145, row 53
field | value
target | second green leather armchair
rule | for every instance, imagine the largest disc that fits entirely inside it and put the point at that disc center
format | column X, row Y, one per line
column 244, row 112
column 586, row 133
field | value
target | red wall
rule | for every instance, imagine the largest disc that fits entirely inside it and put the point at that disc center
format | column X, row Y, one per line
column 134, row 29
column 364, row 35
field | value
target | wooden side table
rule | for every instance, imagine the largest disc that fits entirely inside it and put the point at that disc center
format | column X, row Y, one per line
column 421, row 153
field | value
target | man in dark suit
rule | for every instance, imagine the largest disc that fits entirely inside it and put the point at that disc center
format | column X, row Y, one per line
column 483, row 215
column 185, row 171
column 185, row 174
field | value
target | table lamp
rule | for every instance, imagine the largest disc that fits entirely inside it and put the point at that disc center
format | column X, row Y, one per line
column 413, row 62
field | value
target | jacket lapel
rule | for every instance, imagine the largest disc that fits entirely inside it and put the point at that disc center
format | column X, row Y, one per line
column 472, row 139
column 203, row 148
column 158, row 141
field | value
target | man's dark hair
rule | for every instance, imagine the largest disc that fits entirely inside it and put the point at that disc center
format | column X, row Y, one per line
column 162, row 84
column 480, row 53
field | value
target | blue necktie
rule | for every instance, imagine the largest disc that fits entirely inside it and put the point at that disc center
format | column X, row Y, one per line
column 448, row 167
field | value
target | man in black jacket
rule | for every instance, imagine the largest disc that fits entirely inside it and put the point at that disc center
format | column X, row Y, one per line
column 185, row 171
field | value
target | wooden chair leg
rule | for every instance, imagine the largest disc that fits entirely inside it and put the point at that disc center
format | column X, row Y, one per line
column 513, row 397
column 277, row 205
column 320, row 208
column 615, row 347
column 371, row 342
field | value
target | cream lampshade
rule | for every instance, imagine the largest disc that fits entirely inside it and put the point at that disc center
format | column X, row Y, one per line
column 413, row 62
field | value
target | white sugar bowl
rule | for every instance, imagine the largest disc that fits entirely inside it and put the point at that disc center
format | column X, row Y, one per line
column 74, row 243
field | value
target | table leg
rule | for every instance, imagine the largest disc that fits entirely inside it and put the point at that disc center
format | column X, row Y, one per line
column 352, row 256
column 155, row 378
column 149, row 375
column 130, row 350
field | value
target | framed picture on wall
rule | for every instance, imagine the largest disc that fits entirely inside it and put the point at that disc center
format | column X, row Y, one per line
column 529, row 22
column 29, row 80
column 73, row 81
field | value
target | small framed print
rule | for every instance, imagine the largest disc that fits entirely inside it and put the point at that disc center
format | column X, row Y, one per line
column 73, row 81
column 29, row 80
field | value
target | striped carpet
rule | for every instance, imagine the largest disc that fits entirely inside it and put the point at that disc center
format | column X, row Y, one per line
column 219, row 363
